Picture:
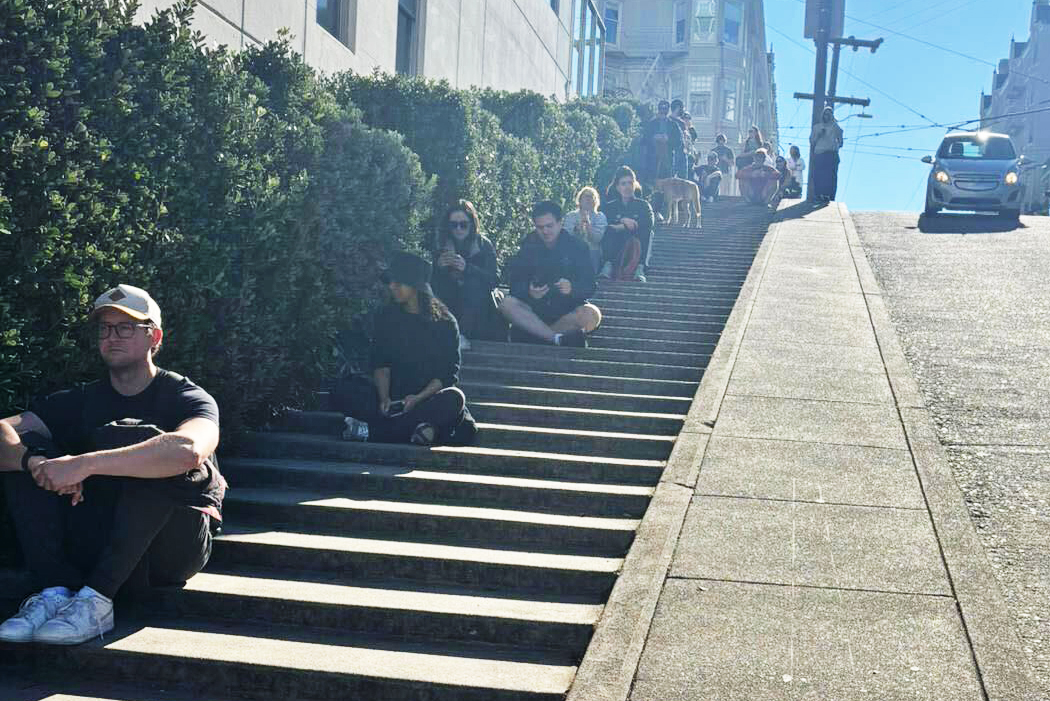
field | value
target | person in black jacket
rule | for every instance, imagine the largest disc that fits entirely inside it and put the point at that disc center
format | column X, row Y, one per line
column 415, row 360
column 551, row 278
column 465, row 270
column 628, row 215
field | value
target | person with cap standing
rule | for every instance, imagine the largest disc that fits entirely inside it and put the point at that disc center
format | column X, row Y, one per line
column 826, row 140
column 94, row 510
column 415, row 360
column 662, row 137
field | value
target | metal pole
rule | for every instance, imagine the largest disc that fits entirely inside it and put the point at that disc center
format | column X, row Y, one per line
column 834, row 71
column 819, row 80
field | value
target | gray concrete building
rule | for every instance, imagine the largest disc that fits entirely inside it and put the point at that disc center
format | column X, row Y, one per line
column 711, row 54
column 554, row 47
column 1021, row 88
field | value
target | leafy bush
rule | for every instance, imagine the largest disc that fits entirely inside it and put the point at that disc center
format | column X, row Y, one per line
column 458, row 142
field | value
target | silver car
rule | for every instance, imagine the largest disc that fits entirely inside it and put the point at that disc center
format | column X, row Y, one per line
column 975, row 171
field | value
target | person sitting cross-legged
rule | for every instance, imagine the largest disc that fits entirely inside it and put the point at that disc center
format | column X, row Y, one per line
column 551, row 278
column 111, row 485
column 708, row 178
column 415, row 361
column 759, row 183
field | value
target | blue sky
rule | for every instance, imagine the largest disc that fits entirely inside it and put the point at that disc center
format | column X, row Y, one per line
column 877, row 172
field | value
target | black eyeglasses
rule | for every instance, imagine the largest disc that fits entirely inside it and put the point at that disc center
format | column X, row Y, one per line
column 454, row 224
column 125, row 329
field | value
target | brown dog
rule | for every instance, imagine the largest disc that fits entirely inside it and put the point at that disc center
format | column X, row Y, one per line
column 676, row 190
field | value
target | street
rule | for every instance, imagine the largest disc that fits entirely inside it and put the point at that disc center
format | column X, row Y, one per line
column 970, row 300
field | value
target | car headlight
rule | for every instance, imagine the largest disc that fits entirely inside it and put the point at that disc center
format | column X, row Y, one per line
column 1011, row 178
column 941, row 177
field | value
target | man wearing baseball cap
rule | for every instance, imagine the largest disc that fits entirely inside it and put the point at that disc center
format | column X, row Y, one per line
column 112, row 482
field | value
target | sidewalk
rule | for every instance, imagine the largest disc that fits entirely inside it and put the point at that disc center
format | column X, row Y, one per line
column 808, row 540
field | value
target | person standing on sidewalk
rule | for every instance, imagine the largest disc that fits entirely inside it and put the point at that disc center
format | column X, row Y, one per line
column 551, row 280
column 93, row 512
column 826, row 140
column 629, row 217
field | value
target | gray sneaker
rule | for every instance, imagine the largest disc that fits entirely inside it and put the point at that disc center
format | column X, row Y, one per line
column 86, row 616
column 33, row 613
column 606, row 271
column 355, row 430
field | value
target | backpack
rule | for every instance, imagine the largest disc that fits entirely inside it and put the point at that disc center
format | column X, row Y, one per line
column 630, row 257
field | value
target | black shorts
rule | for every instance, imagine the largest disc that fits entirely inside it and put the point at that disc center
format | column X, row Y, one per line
column 550, row 312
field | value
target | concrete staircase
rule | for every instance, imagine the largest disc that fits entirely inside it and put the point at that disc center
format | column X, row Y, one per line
column 366, row 571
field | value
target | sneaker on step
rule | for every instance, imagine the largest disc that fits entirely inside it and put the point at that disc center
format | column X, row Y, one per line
column 464, row 343
column 87, row 615
column 355, row 430
column 34, row 612
column 606, row 272
column 639, row 274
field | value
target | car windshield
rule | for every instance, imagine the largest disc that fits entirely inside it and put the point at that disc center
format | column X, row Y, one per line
column 995, row 148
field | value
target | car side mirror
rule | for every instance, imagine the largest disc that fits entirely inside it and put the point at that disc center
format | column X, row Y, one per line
column 927, row 160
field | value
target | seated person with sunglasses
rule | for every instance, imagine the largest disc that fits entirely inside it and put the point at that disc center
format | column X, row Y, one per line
column 110, row 485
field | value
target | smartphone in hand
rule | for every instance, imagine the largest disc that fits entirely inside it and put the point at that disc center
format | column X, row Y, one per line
column 396, row 408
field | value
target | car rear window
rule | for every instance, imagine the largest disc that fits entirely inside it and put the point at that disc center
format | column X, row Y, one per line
column 993, row 148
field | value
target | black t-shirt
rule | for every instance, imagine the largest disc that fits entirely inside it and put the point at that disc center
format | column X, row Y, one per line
column 416, row 350
column 73, row 414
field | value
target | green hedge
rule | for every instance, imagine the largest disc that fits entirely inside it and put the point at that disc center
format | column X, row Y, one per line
column 458, row 142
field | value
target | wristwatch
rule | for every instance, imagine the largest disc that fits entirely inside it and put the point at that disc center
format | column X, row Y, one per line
column 32, row 452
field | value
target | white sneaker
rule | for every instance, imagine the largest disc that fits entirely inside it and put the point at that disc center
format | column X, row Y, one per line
column 639, row 274
column 33, row 613
column 464, row 343
column 606, row 271
column 355, row 430
column 87, row 615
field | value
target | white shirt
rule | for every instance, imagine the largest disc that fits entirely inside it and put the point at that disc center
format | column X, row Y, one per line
column 598, row 226
column 795, row 168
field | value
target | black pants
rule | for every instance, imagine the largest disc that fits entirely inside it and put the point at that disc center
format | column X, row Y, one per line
column 126, row 533
column 471, row 303
column 712, row 186
column 614, row 241
column 443, row 410
column 825, row 174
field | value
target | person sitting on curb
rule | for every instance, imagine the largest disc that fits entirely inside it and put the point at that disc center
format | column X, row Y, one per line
column 465, row 271
column 415, row 361
column 708, row 178
column 588, row 223
column 629, row 216
column 759, row 183
column 96, row 511
column 551, row 279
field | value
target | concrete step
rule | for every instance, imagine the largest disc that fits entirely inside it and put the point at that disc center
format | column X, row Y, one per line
column 538, row 350
column 684, row 305
column 333, row 514
column 362, row 561
column 392, row 611
column 599, row 444
column 443, row 487
column 581, row 419
column 645, row 344
column 619, row 328
column 601, row 401
column 263, row 661
column 584, row 366
column 580, row 381
column 469, row 460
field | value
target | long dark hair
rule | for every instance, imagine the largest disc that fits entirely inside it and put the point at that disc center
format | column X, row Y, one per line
column 430, row 307
column 611, row 193
column 445, row 232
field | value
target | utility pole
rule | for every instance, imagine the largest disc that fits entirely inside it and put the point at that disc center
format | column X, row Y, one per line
column 824, row 24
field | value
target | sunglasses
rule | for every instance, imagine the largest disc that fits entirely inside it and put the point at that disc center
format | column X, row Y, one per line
column 459, row 224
